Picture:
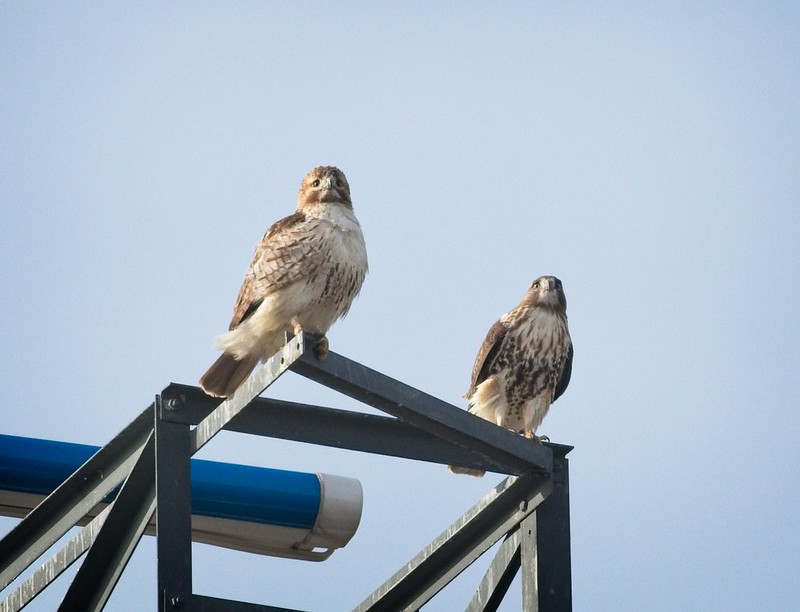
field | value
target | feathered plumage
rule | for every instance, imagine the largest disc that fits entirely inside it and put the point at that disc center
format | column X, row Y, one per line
column 305, row 274
column 524, row 364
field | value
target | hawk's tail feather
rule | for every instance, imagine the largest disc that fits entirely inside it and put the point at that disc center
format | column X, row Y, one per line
column 457, row 469
column 226, row 374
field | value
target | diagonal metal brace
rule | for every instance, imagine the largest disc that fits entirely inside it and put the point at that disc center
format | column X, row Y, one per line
column 55, row 566
column 494, row 586
column 516, row 454
column 244, row 395
column 117, row 539
column 73, row 499
column 460, row 544
column 77, row 496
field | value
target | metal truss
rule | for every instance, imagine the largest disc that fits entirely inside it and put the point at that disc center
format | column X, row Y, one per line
column 150, row 459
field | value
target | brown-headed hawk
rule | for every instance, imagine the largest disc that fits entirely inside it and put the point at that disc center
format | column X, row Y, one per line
column 306, row 272
column 524, row 364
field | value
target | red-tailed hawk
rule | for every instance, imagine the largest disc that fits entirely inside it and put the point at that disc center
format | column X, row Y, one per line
column 306, row 272
column 524, row 364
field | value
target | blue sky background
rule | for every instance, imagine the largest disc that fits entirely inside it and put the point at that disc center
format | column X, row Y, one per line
column 648, row 155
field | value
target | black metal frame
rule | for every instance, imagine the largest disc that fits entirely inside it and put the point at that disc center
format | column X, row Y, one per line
column 530, row 508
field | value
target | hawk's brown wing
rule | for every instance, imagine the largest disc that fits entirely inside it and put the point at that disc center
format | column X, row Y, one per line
column 566, row 373
column 290, row 250
column 486, row 355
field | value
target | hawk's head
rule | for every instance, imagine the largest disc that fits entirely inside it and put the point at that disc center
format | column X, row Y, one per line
column 324, row 184
column 547, row 291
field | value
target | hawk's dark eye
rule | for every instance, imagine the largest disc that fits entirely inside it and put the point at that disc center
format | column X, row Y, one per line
column 315, row 183
column 535, row 284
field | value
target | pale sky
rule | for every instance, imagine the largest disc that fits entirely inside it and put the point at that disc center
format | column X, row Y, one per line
column 648, row 155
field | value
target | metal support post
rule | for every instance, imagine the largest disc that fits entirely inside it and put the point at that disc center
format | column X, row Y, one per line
column 173, row 512
column 175, row 444
column 545, row 546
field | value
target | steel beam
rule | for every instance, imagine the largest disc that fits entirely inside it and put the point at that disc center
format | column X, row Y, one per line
column 73, row 499
column 545, row 546
column 514, row 452
column 55, row 566
column 175, row 444
column 117, row 539
column 460, row 544
column 252, row 388
column 530, row 563
column 173, row 511
column 498, row 577
column 531, row 507
column 324, row 426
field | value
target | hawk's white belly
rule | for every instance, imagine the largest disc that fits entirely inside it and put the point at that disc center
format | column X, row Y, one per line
column 489, row 402
column 505, row 397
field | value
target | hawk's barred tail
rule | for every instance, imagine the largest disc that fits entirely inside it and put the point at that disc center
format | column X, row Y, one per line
column 226, row 374
column 456, row 469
